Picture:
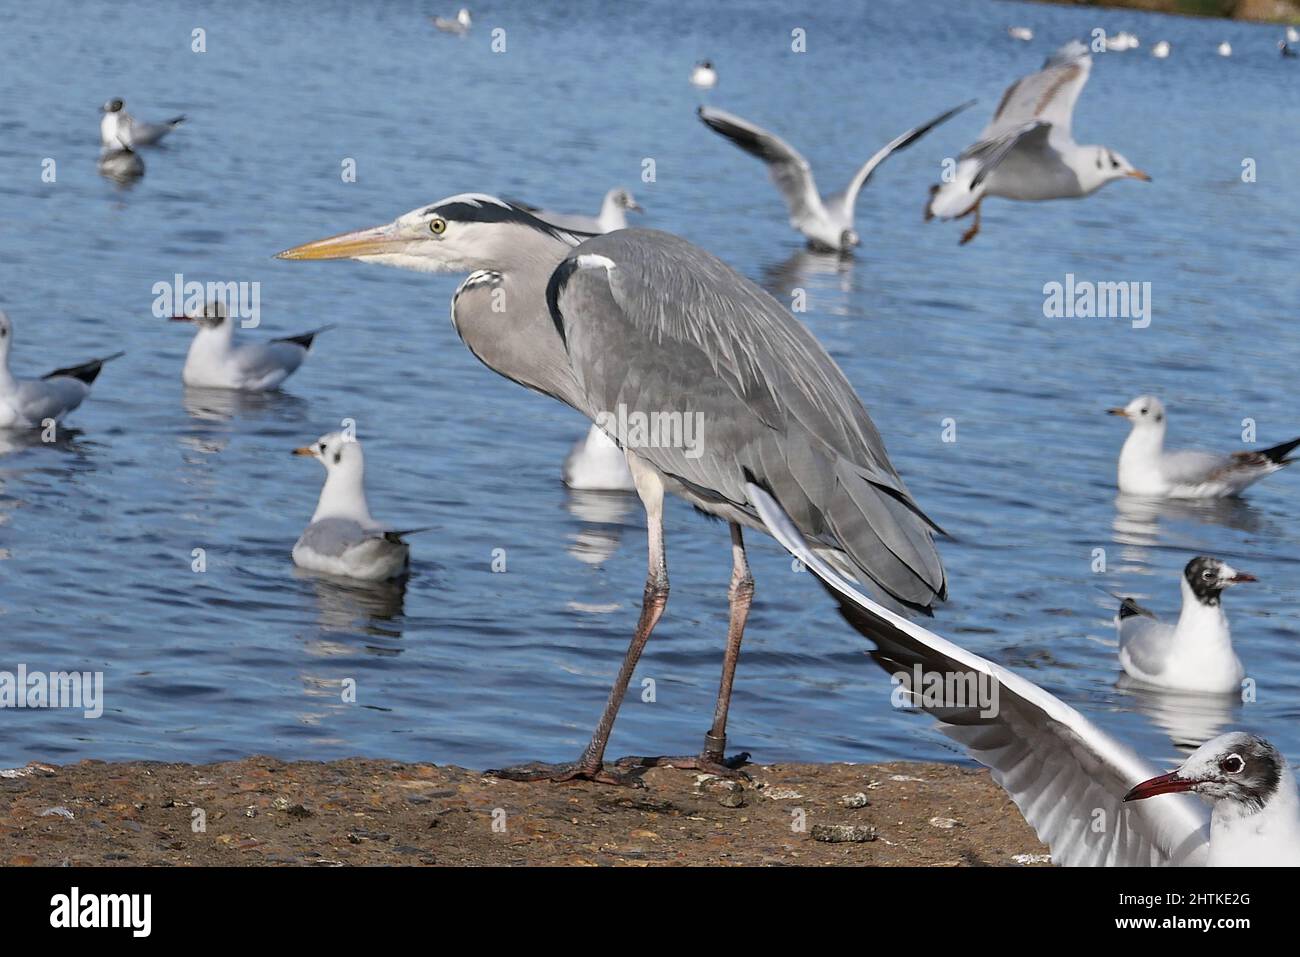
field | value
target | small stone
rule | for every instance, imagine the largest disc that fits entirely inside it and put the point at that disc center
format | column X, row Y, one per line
column 946, row 823
column 59, row 811
column 843, row 833
column 780, row 794
column 855, row 800
column 734, row 798
column 1032, row 858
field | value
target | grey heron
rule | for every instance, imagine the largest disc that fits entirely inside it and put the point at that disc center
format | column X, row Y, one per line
column 1027, row 151
column 29, row 403
column 644, row 321
column 827, row 222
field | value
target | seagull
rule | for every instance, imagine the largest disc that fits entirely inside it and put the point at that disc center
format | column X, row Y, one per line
column 1122, row 41
column 646, row 322
column 1020, row 33
column 704, row 75
column 31, row 403
column 826, row 221
column 216, row 362
column 1292, row 35
column 1028, row 152
column 1225, row 48
column 1285, row 50
column 1196, row 653
column 1146, row 469
column 342, row 539
column 1073, row 782
column 458, row 25
column 613, row 214
column 1161, row 49
column 119, row 130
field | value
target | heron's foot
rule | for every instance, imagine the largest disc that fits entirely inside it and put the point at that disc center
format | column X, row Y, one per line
column 557, row 773
column 709, row 764
column 969, row 234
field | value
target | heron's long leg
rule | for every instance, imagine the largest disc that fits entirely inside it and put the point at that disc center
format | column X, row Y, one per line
column 591, row 765
column 712, row 758
column 975, row 227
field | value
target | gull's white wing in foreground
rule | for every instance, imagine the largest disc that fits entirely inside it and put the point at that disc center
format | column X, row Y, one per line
column 1067, row 776
column 787, row 167
column 850, row 196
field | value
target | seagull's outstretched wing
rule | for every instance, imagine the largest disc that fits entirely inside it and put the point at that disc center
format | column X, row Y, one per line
column 1047, row 96
column 788, row 169
column 850, row 196
column 1067, row 776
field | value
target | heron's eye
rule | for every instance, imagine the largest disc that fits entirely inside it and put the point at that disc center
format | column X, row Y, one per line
column 1232, row 764
column 437, row 225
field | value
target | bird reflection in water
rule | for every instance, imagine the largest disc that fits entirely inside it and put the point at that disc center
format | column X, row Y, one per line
column 1189, row 719
column 602, row 517
column 222, row 405
column 372, row 609
column 812, row 273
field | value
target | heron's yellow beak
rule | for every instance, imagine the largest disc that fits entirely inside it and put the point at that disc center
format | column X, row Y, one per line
column 304, row 450
column 1138, row 174
column 374, row 241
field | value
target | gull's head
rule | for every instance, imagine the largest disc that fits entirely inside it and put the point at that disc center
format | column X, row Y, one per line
column 211, row 316
column 337, row 451
column 1237, row 767
column 462, row 17
column 1145, row 412
column 1207, row 578
column 849, row 238
column 463, row 233
column 1111, row 165
column 114, row 105
column 6, row 333
column 624, row 200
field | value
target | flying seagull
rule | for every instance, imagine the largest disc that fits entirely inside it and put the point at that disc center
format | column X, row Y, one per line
column 1028, row 151
column 645, row 320
column 826, row 221
column 118, row 129
column 704, row 76
column 216, row 361
column 1196, row 653
column 342, row 539
column 1073, row 782
column 1147, row 470
column 613, row 214
column 30, row 403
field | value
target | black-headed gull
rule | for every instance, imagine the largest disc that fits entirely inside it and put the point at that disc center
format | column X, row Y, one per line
column 1027, row 151
column 458, row 25
column 704, row 76
column 342, row 537
column 613, row 214
column 118, row 129
column 1195, row 654
column 30, row 403
column 216, row 361
column 1146, row 469
column 1075, row 784
column 827, row 222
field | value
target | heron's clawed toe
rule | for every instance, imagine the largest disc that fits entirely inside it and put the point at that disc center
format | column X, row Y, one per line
column 724, row 768
column 558, row 773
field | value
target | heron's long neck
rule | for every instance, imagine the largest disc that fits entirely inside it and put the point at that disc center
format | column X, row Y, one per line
column 344, row 496
column 502, row 318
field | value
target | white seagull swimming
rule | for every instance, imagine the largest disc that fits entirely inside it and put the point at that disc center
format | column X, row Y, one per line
column 118, row 129
column 342, row 538
column 1023, row 34
column 1225, row 48
column 1075, row 784
column 613, row 214
column 1147, row 470
column 704, row 75
column 29, row 403
column 1161, row 49
column 1027, row 151
column 1196, row 653
column 459, row 25
column 826, row 221
column 216, row 361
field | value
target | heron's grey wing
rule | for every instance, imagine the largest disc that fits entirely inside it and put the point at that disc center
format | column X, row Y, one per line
column 850, row 195
column 788, row 169
column 655, row 325
column 1067, row 776
column 1047, row 96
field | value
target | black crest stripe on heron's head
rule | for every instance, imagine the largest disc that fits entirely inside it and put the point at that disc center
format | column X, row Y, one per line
column 471, row 208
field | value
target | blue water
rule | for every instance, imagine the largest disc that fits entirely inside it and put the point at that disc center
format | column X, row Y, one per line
column 474, row 667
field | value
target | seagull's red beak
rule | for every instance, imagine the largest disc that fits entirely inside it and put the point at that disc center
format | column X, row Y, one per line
column 1240, row 577
column 1162, row 784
